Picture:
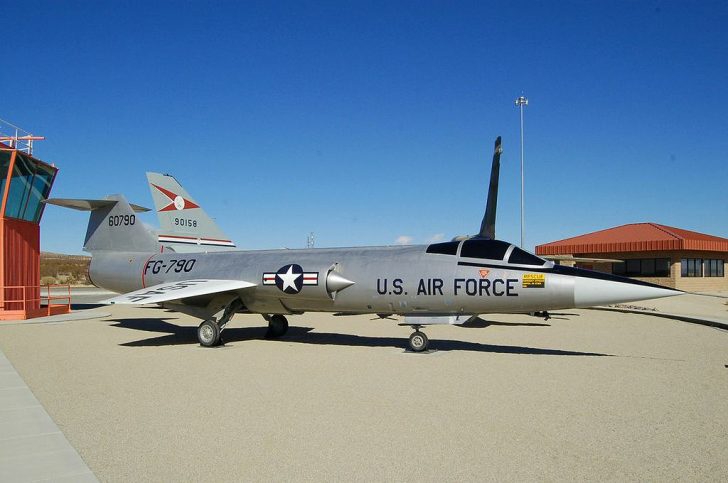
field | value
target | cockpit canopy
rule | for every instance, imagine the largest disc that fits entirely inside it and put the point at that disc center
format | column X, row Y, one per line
column 522, row 257
column 495, row 250
column 489, row 249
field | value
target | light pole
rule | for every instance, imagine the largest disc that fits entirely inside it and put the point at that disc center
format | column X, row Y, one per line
column 520, row 102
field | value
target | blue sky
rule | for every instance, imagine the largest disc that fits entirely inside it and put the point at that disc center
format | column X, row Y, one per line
column 366, row 122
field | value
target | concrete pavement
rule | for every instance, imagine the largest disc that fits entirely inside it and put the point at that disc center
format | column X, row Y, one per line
column 32, row 448
column 586, row 395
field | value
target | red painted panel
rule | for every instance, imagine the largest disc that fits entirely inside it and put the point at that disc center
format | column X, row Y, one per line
column 21, row 261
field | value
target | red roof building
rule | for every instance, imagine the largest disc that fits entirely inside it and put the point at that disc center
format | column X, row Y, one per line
column 661, row 254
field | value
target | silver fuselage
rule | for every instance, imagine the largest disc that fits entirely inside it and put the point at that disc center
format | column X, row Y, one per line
column 387, row 280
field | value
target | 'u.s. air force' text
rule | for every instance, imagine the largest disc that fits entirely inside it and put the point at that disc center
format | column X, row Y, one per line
column 481, row 287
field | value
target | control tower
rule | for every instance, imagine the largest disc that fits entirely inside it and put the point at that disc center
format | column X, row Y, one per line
column 25, row 181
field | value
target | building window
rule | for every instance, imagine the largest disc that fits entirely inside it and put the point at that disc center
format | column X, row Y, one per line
column 662, row 267
column 643, row 267
column 632, row 267
column 714, row 268
column 691, row 267
column 30, row 183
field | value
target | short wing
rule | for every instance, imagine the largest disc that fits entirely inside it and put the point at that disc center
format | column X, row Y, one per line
column 166, row 292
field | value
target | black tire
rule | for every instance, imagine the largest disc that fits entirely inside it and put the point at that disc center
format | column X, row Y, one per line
column 208, row 333
column 418, row 341
column 277, row 326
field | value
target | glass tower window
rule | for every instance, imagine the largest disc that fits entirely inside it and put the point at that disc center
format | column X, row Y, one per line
column 30, row 183
column 4, row 165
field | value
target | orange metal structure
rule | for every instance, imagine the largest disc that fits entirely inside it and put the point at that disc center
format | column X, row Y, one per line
column 24, row 182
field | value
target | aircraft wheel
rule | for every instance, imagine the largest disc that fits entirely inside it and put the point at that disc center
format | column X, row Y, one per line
column 208, row 333
column 277, row 326
column 418, row 341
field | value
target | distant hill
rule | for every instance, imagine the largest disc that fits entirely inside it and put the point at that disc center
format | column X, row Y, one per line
column 66, row 269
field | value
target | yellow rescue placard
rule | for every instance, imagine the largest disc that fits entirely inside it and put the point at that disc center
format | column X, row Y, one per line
column 534, row 280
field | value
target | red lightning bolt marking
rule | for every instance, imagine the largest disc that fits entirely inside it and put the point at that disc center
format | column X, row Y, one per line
column 172, row 196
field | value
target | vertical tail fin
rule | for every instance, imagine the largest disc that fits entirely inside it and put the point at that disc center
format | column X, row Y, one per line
column 184, row 225
column 487, row 226
column 112, row 225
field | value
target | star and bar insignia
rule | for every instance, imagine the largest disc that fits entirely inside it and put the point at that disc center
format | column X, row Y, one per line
column 290, row 278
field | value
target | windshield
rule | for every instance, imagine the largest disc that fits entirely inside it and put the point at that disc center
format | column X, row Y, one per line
column 522, row 257
column 489, row 249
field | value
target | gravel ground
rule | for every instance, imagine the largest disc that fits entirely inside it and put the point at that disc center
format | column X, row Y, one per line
column 586, row 395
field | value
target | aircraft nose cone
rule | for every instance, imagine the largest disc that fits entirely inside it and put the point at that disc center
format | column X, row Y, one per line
column 336, row 283
column 589, row 292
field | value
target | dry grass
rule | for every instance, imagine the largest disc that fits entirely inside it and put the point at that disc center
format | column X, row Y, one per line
column 59, row 268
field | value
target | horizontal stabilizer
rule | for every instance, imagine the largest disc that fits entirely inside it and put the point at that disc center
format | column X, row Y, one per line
column 437, row 320
column 166, row 292
column 89, row 205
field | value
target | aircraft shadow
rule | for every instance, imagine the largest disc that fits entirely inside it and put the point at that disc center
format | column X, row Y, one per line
column 178, row 335
column 561, row 316
column 479, row 323
column 81, row 306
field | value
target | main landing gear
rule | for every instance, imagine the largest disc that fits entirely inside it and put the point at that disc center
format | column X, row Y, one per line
column 418, row 341
column 277, row 326
column 209, row 331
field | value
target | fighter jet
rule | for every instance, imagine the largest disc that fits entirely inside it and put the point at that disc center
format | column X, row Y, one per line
column 440, row 283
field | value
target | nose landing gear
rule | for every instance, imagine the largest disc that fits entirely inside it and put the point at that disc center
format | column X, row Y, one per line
column 418, row 341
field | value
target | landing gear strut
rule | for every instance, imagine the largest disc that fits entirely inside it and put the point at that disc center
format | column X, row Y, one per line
column 543, row 313
column 209, row 332
column 277, row 326
column 418, row 341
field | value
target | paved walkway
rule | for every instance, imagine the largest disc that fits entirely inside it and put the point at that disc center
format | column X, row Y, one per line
column 32, row 448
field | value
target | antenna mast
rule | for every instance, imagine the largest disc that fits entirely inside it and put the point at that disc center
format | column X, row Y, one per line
column 17, row 138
